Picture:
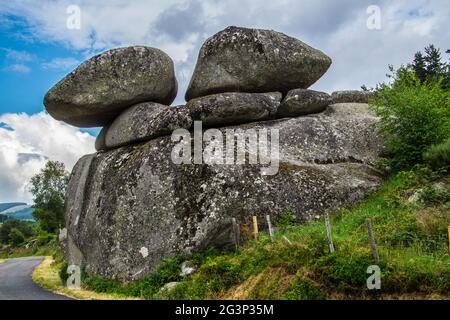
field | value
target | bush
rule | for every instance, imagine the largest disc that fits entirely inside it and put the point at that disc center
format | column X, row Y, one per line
column 23, row 230
column 438, row 156
column 414, row 116
column 304, row 288
column 16, row 237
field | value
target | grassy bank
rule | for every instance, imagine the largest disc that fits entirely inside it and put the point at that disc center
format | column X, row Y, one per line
column 410, row 216
column 20, row 252
column 47, row 275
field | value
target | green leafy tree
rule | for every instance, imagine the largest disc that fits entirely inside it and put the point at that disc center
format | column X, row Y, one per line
column 49, row 189
column 16, row 237
column 13, row 230
column 414, row 116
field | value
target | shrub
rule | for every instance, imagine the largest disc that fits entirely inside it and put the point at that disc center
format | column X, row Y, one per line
column 438, row 156
column 286, row 220
column 414, row 116
column 16, row 237
column 304, row 288
column 432, row 195
column 7, row 236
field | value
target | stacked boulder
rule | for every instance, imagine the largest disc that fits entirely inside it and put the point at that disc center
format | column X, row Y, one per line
column 126, row 90
column 130, row 206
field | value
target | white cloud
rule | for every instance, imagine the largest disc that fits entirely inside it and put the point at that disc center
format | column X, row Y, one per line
column 60, row 63
column 17, row 67
column 26, row 142
column 18, row 55
column 360, row 56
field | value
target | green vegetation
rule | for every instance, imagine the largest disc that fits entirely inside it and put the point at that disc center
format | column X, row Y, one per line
column 415, row 110
column 15, row 232
column 49, row 189
column 411, row 235
column 438, row 156
column 25, row 238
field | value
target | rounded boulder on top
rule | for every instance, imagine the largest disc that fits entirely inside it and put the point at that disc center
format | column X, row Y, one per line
column 255, row 60
column 103, row 86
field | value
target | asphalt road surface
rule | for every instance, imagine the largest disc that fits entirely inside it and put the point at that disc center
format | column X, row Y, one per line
column 16, row 282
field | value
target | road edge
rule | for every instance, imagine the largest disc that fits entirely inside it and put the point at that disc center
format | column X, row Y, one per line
column 46, row 275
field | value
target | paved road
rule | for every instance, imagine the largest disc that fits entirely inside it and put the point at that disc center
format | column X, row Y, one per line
column 16, row 282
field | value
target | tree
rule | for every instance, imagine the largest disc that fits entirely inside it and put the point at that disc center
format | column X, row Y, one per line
column 430, row 67
column 434, row 66
column 413, row 116
column 419, row 66
column 16, row 237
column 49, row 189
column 22, row 229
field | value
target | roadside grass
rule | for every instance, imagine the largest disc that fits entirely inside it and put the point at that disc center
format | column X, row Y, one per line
column 47, row 275
column 20, row 252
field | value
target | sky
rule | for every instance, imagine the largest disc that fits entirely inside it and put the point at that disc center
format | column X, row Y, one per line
column 39, row 45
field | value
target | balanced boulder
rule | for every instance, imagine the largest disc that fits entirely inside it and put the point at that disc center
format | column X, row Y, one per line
column 356, row 96
column 146, row 121
column 103, row 86
column 255, row 60
column 299, row 102
column 234, row 108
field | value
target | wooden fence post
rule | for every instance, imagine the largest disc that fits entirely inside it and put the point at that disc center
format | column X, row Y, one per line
column 448, row 238
column 269, row 224
column 328, row 227
column 373, row 243
column 235, row 232
column 255, row 227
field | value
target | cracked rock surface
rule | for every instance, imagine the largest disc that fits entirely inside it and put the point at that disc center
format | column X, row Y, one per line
column 131, row 207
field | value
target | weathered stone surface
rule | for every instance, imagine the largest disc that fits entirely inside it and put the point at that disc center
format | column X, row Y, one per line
column 131, row 207
column 146, row 121
column 255, row 60
column 357, row 96
column 100, row 143
column 299, row 102
column 103, row 86
column 234, row 107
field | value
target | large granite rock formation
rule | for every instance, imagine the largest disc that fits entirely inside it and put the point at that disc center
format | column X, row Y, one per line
column 255, row 60
column 131, row 207
column 103, row 86
column 149, row 195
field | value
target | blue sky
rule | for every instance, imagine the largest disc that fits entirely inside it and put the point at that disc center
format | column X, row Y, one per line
column 37, row 49
column 29, row 67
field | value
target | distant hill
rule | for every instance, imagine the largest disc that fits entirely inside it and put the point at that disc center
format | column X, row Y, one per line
column 17, row 210
column 6, row 206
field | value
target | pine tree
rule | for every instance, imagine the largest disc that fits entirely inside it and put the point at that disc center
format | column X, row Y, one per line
column 419, row 67
column 434, row 66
